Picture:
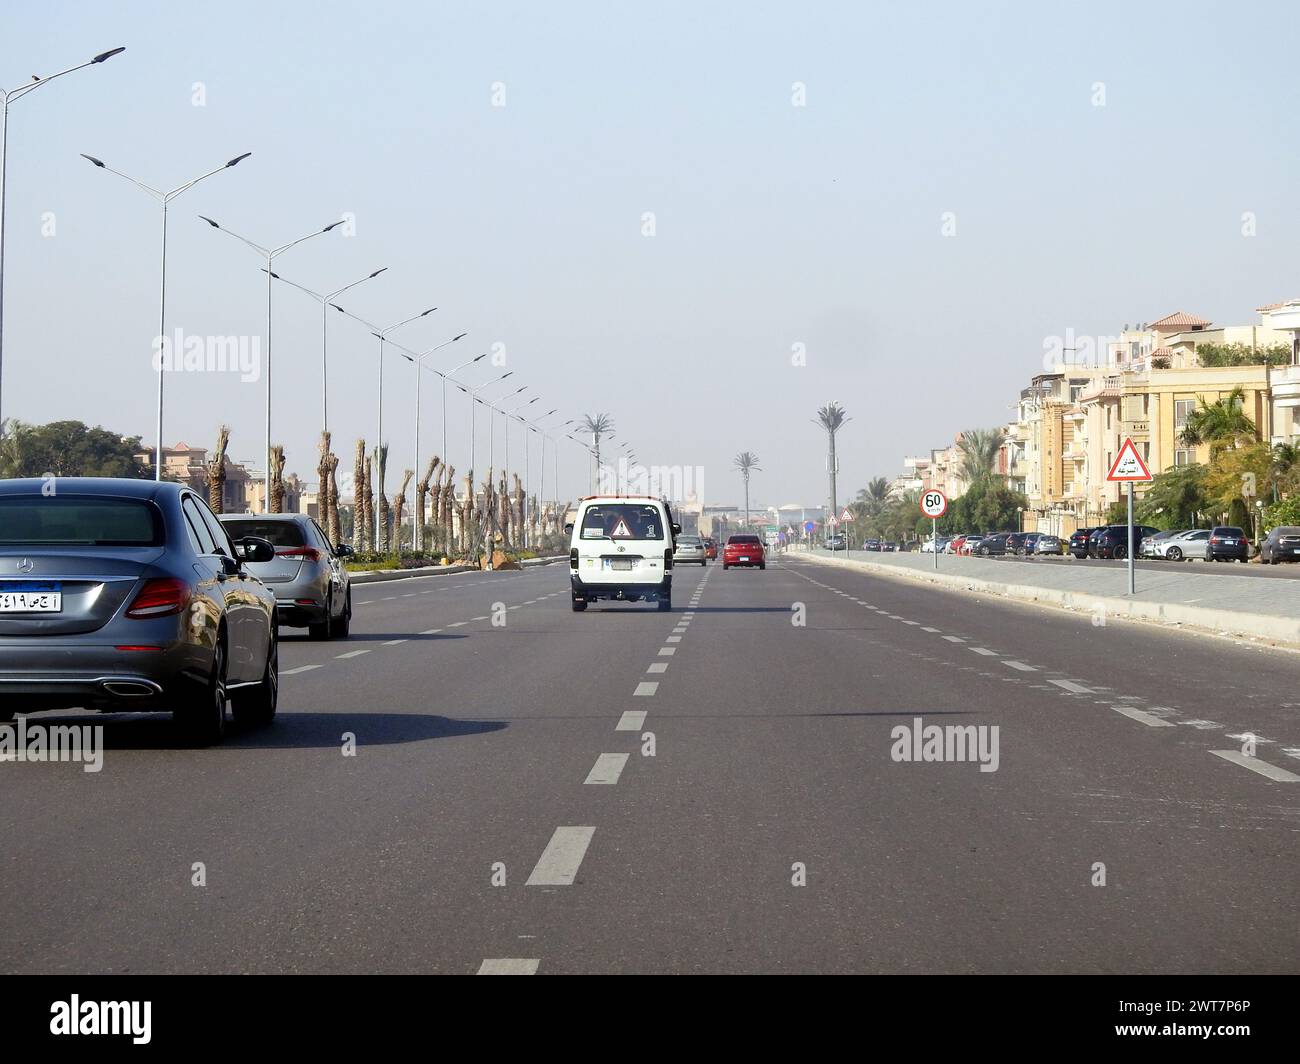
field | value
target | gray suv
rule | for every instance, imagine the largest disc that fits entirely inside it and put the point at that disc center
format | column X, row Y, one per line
column 307, row 574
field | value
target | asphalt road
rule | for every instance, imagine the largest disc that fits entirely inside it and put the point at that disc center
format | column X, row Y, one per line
column 480, row 749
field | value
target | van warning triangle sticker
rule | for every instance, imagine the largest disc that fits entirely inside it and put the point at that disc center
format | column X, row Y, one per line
column 1128, row 465
column 621, row 531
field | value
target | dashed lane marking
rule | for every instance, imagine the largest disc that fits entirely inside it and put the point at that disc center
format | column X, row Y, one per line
column 558, row 866
column 300, row 668
column 1020, row 666
column 1278, row 775
column 657, row 666
column 631, row 720
column 607, row 769
column 646, row 688
column 1072, row 687
column 1145, row 718
column 508, row 966
column 352, row 654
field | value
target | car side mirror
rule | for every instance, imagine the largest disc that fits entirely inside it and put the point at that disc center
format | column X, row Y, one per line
column 344, row 551
column 568, row 528
column 677, row 529
column 253, row 549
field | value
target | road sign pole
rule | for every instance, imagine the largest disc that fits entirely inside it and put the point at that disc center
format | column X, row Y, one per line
column 934, row 541
column 1130, row 538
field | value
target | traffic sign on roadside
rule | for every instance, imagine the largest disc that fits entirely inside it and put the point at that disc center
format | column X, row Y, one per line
column 810, row 526
column 934, row 503
column 846, row 515
column 1128, row 465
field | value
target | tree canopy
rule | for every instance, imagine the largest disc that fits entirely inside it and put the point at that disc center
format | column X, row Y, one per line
column 68, row 449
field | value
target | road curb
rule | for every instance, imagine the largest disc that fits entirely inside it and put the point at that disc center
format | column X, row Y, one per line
column 378, row 576
column 1265, row 626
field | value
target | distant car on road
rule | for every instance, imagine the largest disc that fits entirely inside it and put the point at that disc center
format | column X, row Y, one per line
column 307, row 574
column 130, row 596
column 621, row 548
column 1078, row 546
column 1281, row 545
column 711, row 549
column 1228, row 543
column 837, row 542
column 744, row 550
column 690, row 549
column 871, row 544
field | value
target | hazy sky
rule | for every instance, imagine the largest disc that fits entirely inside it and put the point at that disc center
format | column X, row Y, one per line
column 775, row 225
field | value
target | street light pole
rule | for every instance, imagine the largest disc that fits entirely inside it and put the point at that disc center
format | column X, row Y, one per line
column 271, row 254
column 164, row 198
column 6, row 98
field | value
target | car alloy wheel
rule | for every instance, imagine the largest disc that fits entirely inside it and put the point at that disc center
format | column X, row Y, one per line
column 1174, row 554
column 204, row 722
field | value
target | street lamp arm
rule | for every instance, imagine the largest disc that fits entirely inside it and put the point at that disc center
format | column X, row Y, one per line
column 294, row 284
column 156, row 193
column 23, row 90
column 242, row 239
column 190, row 184
column 301, row 239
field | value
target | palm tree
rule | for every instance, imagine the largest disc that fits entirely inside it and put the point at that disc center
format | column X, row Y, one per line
column 381, row 462
column 979, row 453
column 832, row 417
column 1218, row 423
column 360, row 509
column 874, row 496
column 275, row 504
column 1284, row 464
column 598, row 425
column 216, row 471
column 746, row 462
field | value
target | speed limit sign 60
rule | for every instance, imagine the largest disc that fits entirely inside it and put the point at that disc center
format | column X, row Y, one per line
column 934, row 503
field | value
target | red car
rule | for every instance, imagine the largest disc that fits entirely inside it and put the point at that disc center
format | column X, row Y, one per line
column 744, row 550
column 711, row 549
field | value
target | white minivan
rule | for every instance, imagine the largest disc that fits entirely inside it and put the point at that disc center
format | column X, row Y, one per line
column 621, row 547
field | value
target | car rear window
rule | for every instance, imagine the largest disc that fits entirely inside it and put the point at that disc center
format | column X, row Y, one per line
column 277, row 533
column 74, row 521
column 1228, row 530
column 622, row 521
column 751, row 539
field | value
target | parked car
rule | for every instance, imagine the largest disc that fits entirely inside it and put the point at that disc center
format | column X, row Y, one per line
column 130, row 596
column 1079, row 542
column 1150, row 545
column 1281, row 545
column 1029, row 543
column 1111, row 541
column 888, row 546
column 1184, row 546
column 1229, row 543
column 993, row 545
column 307, row 574
column 970, row 544
column 871, row 544
column 744, row 550
column 1016, row 542
column 689, row 549
column 1046, row 544
column 837, row 542
column 956, row 543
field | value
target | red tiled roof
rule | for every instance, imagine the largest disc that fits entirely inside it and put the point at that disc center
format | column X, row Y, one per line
column 1163, row 352
column 1179, row 319
column 1274, row 306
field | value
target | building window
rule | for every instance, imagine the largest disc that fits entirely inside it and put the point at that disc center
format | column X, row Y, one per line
column 1183, row 409
column 1182, row 458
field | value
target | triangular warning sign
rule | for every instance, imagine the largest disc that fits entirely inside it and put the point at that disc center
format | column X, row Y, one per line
column 621, row 531
column 1128, row 465
column 846, row 515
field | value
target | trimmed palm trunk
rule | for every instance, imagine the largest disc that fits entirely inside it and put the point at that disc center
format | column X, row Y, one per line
column 277, row 480
column 421, row 495
column 216, row 471
column 399, row 508
column 359, row 523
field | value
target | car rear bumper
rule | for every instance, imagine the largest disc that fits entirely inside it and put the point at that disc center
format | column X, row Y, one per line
column 752, row 560
column 629, row 592
column 67, row 676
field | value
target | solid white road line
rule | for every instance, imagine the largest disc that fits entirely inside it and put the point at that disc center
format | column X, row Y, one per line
column 657, row 666
column 607, row 769
column 1278, row 775
column 631, row 720
column 983, row 650
column 559, row 863
column 508, row 966
column 352, row 654
column 1072, row 687
column 1020, row 666
column 300, row 668
column 646, row 688
column 1144, row 718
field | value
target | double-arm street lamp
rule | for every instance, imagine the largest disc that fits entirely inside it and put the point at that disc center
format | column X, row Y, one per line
column 6, row 98
column 270, row 254
column 417, row 539
column 325, row 301
column 164, row 199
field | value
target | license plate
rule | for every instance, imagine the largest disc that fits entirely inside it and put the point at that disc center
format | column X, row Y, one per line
column 620, row 563
column 30, row 598
column 743, row 558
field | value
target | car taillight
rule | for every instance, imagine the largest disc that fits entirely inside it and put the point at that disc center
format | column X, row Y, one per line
column 310, row 554
column 573, row 557
column 160, row 597
column 1214, row 539
column 668, row 558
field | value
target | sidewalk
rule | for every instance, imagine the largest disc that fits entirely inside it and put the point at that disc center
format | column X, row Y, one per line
column 1239, row 605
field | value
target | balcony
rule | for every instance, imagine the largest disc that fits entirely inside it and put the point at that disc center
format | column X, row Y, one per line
column 1286, row 387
